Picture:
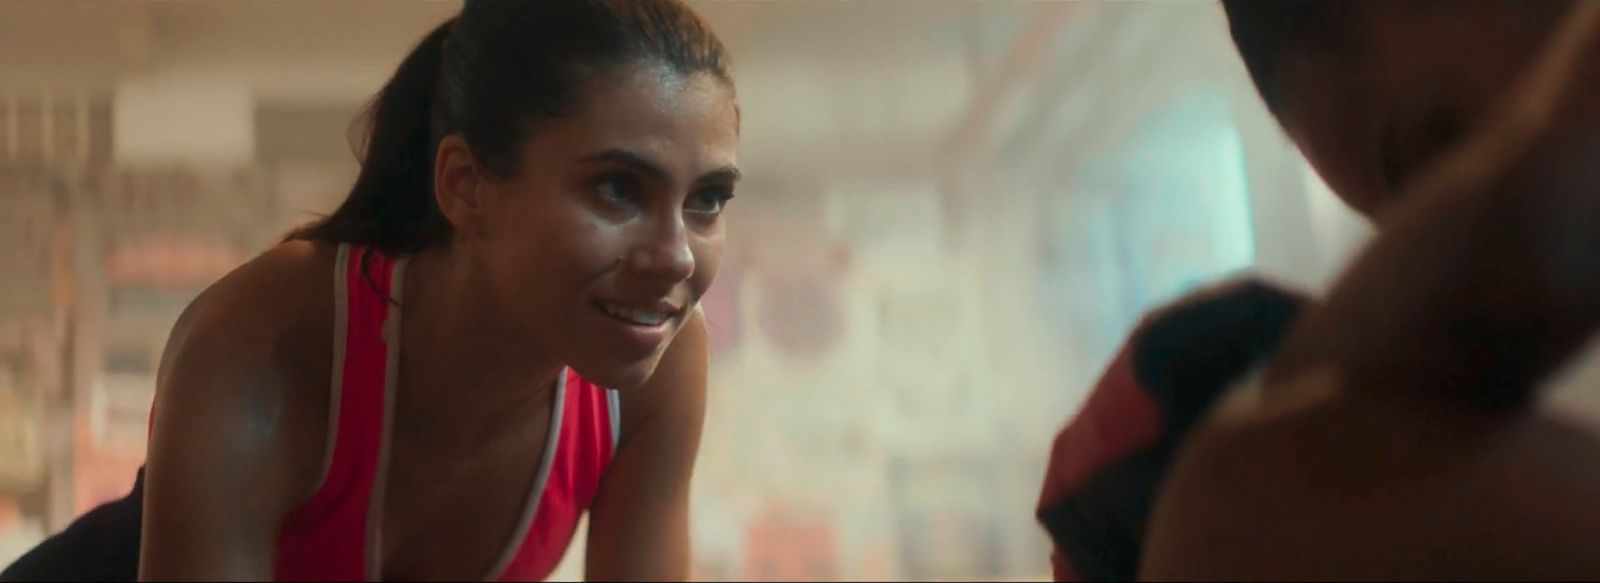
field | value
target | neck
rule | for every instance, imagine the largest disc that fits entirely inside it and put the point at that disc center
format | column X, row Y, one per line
column 458, row 368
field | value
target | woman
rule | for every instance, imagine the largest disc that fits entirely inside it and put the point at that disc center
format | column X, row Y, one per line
column 1397, row 432
column 1401, row 432
column 536, row 217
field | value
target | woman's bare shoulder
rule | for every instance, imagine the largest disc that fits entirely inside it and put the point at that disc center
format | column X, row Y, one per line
column 254, row 351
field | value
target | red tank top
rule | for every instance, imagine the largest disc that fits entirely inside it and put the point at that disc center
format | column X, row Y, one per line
column 335, row 534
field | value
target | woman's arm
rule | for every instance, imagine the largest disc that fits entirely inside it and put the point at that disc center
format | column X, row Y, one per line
column 639, row 525
column 229, row 454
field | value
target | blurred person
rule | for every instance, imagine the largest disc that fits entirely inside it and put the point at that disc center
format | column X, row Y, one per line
column 1394, row 433
column 536, row 217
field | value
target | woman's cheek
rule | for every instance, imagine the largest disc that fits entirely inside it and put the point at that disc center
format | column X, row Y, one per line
column 707, row 262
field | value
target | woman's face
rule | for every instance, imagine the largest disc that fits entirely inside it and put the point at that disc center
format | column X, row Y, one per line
column 601, row 245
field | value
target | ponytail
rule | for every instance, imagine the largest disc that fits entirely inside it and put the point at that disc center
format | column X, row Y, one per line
column 391, row 206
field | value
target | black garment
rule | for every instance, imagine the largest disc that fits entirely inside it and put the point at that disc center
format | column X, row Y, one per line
column 102, row 545
column 1183, row 359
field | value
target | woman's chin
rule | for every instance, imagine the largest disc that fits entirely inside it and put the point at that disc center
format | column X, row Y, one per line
column 619, row 375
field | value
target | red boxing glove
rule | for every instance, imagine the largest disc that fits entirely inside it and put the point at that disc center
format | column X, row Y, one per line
column 1106, row 464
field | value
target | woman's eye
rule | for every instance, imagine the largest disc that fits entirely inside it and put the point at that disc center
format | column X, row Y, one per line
column 617, row 190
column 709, row 202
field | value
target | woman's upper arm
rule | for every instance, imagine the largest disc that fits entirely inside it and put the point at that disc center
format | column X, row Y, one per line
column 639, row 525
column 224, row 465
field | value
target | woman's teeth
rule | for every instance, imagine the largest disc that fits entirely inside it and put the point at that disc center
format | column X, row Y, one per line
column 636, row 316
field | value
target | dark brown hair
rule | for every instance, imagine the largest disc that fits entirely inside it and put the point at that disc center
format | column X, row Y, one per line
column 490, row 75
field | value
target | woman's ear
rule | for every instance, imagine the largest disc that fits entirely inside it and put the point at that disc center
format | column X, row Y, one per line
column 457, row 185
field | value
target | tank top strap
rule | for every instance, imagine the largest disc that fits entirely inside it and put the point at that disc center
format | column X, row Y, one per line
column 336, row 530
column 585, row 443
